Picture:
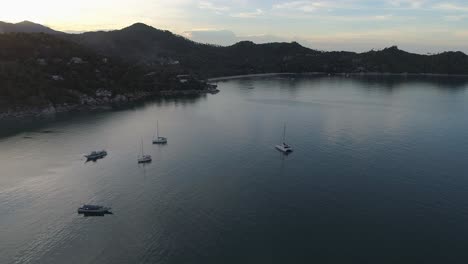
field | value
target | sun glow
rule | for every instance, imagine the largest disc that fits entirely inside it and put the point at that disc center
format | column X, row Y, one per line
column 85, row 14
column 418, row 26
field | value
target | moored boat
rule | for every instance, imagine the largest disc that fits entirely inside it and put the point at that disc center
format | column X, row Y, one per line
column 158, row 139
column 144, row 158
column 94, row 209
column 283, row 147
column 96, row 155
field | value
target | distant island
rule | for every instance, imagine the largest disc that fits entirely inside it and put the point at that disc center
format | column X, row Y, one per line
column 43, row 70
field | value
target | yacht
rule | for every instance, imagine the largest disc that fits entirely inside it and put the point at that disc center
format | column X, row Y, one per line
column 94, row 209
column 283, row 147
column 96, row 155
column 144, row 158
column 158, row 139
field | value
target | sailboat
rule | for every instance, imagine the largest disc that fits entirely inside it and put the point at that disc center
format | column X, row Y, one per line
column 158, row 139
column 144, row 158
column 283, row 147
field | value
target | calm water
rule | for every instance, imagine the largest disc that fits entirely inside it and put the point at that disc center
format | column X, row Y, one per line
column 379, row 175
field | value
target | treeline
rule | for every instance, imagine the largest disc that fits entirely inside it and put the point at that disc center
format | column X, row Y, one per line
column 38, row 69
column 146, row 45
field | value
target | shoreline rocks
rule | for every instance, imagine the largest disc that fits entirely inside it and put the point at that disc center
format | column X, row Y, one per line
column 104, row 100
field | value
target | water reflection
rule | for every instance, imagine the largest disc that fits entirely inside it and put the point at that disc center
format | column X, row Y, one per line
column 96, row 214
column 398, row 82
column 389, row 165
column 35, row 124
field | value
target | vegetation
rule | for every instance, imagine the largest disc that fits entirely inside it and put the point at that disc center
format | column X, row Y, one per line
column 57, row 68
column 143, row 44
column 39, row 69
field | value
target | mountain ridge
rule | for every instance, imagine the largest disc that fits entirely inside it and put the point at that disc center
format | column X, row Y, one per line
column 144, row 44
column 139, row 26
column 40, row 68
column 26, row 27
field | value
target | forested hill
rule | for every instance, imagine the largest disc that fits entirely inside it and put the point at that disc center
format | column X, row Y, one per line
column 26, row 27
column 39, row 69
column 147, row 46
column 144, row 44
column 56, row 68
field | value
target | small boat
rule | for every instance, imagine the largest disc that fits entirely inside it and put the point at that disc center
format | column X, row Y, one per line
column 94, row 209
column 212, row 88
column 144, row 158
column 96, row 155
column 283, row 147
column 158, row 139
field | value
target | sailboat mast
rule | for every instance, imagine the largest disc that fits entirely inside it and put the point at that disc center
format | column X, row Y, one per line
column 284, row 133
column 142, row 147
column 157, row 129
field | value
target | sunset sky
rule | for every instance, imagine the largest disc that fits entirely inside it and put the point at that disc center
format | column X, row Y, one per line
column 357, row 25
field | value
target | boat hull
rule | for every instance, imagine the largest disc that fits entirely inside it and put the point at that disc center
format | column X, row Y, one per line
column 160, row 141
column 283, row 149
column 145, row 159
column 103, row 210
column 80, row 211
column 96, row 156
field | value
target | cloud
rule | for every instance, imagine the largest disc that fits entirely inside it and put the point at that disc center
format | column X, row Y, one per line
column 212, row 36
column 451, row 7
column 456, row 18
column 212, row 7
column 381, row 17
column 304, row 6
column 253, row 14
column 227, row 37
column 413, row 4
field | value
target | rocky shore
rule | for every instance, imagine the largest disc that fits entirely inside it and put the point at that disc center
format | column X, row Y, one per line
column 209, row 90
column 102, row 100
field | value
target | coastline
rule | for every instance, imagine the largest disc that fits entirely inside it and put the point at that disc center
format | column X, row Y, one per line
column 100, row 102
column 89, row 104
column 233, row 77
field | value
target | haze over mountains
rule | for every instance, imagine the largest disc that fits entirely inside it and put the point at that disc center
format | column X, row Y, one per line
column 39, row 64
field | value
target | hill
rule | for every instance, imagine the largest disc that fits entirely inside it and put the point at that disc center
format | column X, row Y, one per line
column 38, row 70
column 26, row 27
column 55, row 69
column 144, row 44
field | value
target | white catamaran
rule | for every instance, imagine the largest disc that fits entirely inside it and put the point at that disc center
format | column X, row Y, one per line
column 158, row 139
column 283, row 147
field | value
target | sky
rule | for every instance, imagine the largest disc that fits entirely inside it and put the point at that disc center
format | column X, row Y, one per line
column 421, row 26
